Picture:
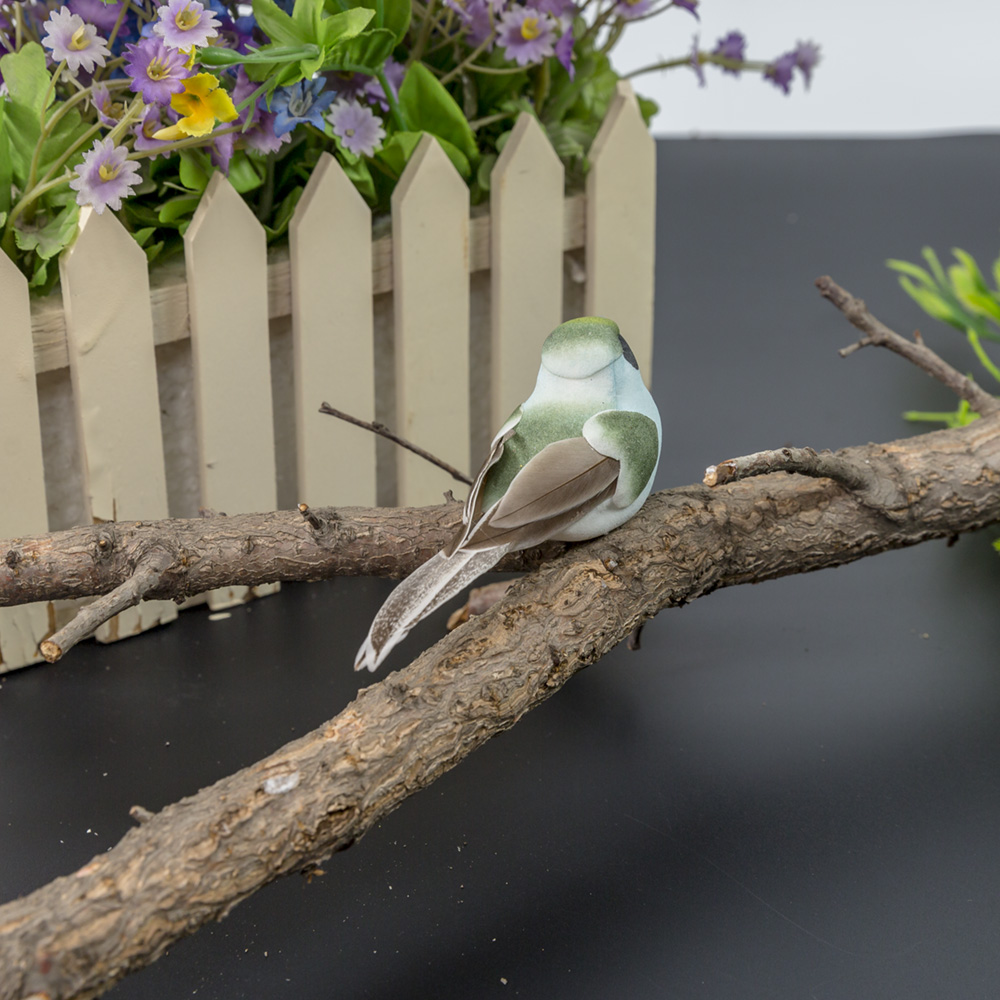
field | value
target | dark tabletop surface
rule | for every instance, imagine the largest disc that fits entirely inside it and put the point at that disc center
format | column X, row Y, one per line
column 792, row 791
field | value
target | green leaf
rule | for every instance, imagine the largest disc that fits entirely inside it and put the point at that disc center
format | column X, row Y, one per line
column 457, row 157
column 486, row 165
column 913, row 270
column 983, row 303
column 369, row 50
column 172, row 211
column 277, row 25
column 340, row 27
column 153, row 251
column 26, row 78
column 932, row 303
column 996, row 544
column 972, row 269
column 361, row 177
column 195, row 168
column 648, row 108
column 40, row 275
column 428, row 107
column 397, row 150
column 244, row 174
column 6, row 167
column 283, row 216
column 49, row 233
column 391, row 14
column 935, row 265
column 141, row 236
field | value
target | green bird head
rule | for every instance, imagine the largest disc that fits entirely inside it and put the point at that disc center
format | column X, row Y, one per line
column 582, row 347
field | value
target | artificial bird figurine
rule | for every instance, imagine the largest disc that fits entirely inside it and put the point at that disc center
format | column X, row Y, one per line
column 575, row 460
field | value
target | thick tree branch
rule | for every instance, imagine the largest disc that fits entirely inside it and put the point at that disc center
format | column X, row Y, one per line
column 243, row 549
column 195, row 860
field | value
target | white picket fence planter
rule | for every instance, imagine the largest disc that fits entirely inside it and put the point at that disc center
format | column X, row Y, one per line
column 199, row 386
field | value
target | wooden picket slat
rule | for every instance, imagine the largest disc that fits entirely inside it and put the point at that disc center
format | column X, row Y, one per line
column 225, row 253
column 526, row 209
column 430, row 254
column 621, row 225
column 332, row 331
column 22, row 487
column 109, row 336
column 169, row 293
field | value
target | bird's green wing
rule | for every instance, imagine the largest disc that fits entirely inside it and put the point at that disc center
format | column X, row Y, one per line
column 633, row 440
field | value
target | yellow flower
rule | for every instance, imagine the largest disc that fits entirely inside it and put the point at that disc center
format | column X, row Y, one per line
column 201, row 102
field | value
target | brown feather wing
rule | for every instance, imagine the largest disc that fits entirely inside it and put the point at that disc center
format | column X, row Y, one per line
column 558, row 485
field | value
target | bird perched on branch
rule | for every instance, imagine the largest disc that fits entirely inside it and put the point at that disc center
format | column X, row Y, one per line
column 575, row 460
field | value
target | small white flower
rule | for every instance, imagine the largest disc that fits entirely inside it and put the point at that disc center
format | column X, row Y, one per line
column 358, row 128
column 73, row 41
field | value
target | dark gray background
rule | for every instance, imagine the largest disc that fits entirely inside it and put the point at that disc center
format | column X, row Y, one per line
column 792, row 791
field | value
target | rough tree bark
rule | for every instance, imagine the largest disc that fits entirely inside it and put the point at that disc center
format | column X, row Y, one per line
column 195, row 860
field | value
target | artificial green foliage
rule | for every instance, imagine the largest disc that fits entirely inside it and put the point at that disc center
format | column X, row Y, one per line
column 960, row 296
column 135, row 111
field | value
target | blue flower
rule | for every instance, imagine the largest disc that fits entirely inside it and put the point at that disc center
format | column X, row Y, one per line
column 302, row 102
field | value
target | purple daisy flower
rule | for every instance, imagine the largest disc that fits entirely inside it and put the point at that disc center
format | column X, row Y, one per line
column 394, row 73
column 357, row 127
column 527, row 36
column 70, row 39
column 475, row 18
column 109, row 111
column 780, row 71
column 157, row 70
column 731, row 46
column 144, row 130
column 103, row 16
column 557, row 8
column 806, row 58
column 185, row 24
column 302, row 102
column 564, row 51
column 628, row 10
column 350, row 86
column 105, row 176
column 261, row 136
column 221, row 151
column 691, row 6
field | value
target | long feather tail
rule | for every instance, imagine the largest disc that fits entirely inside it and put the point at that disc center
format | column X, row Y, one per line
column 422, row 592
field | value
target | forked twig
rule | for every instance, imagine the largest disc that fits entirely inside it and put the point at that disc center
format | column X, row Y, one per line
column 878, row 334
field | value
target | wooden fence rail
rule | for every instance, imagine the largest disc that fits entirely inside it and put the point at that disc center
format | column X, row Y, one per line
column 130, row 396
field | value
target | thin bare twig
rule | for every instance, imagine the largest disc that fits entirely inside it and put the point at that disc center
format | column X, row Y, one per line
column 147, row 574
column 878, row 334
column 384, row 431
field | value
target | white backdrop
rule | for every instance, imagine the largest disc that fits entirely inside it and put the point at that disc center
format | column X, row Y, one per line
column 890, row 67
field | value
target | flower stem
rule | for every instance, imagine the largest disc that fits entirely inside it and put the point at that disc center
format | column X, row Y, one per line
column 468, row 59
column 425, row 33
column 118, row 23
column 188, row 143
column 754, row 65
column 478, row 123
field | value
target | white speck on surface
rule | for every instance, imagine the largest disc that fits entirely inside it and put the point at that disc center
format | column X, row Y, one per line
column 282, row 783
column 219, row 616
